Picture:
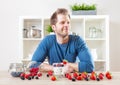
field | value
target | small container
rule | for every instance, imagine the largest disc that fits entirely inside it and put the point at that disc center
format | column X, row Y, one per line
column 58, row 69
column 34, row 32
column 25, row 33
column 92, row 32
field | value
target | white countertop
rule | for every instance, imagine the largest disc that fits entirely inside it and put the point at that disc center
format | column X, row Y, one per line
column 7, row 79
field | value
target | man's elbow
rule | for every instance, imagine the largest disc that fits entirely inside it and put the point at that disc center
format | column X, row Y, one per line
column 90, row 68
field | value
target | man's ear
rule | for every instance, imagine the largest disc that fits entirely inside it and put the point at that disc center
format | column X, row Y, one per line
column 53, row 27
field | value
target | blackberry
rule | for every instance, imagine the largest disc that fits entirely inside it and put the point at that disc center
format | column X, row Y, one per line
column 73, row 79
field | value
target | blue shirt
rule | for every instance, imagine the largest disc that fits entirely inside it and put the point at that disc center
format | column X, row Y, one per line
column 75, row 48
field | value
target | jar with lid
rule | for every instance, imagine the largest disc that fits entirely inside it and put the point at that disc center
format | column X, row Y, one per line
column 92, row 32
column 25, row 33
column 34, row 32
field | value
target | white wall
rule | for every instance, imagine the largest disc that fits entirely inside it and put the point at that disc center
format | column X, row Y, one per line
column 10, row 10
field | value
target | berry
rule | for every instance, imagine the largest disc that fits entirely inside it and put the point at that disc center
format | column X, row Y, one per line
column 22, row 74
column 98, row 79
column 50, row 73
column 79, row 78
column 47, row 75
column 84, row 75
column 39, row 74
column 64, row 62
column 29, row 78
column 22, row 78
column 75, row 74
column 101, row 76
column 69, row 77
column 53, row 78
column 92, row 77
column 73, row 79
column 108, row 75
column 66, row 75
column 86, row 79
column 32, row 77
column 36, row 77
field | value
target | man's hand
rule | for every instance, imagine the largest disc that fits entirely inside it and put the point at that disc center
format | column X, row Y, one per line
column 44, row 67
column 70, row 67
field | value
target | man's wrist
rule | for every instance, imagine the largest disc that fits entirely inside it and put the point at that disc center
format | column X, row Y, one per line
column 74, row 66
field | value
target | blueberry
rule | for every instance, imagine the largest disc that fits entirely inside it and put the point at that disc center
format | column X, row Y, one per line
column 36, row 77
column 79, row 74
column 29, row 78
column 86, row 79
column 98, row 79
column 32, row 77
column 73, row 79
column 22, row 78
column 47, row 75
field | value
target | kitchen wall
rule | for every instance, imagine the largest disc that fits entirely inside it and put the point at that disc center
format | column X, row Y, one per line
column 10, row 10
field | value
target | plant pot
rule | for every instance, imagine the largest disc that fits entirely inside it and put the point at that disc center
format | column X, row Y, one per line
column 84, row 12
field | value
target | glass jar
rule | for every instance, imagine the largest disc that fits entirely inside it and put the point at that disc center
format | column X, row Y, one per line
column 25, row 33
column 15, row 69
column 92, row 32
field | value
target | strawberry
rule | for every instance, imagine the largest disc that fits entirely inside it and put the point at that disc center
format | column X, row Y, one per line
column 22, row 74
column 107, row 73
column 75, row 74
column 39, row 74
column 69, row 77
column 92, row 77
column 64, row 62
column 79, row 78
column 84, row 75
column 101, row 76
column 53, row 78
column 66, row 75
column 27, row 76
column 109, row 77
column 50, row 73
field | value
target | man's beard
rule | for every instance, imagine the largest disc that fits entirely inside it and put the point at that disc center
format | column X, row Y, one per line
column 62, row 35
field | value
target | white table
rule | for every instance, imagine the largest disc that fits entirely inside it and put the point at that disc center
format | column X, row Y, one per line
column 7, row 79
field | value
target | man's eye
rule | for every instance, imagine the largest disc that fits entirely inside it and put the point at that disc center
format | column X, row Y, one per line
column 68, row 22
column 62, row 22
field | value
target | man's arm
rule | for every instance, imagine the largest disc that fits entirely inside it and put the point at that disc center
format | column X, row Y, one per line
column 86, row 63
column 70, row 67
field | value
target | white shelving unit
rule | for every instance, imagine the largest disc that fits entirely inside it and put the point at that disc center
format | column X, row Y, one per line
column 94, row 29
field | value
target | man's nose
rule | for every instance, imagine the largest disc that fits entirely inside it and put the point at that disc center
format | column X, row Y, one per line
column 66, row 24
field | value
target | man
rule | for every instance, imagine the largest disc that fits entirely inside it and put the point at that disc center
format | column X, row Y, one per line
column 62, row 46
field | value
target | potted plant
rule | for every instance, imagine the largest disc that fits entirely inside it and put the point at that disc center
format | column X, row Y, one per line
column 83, row 9
column 49, row 29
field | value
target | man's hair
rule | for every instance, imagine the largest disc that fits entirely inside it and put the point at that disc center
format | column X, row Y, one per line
column 53, row 19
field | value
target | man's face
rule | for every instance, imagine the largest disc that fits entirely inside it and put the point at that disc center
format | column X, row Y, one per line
column 61, row 28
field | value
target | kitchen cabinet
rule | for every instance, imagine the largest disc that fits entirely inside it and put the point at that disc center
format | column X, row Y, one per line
column 94, row 29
